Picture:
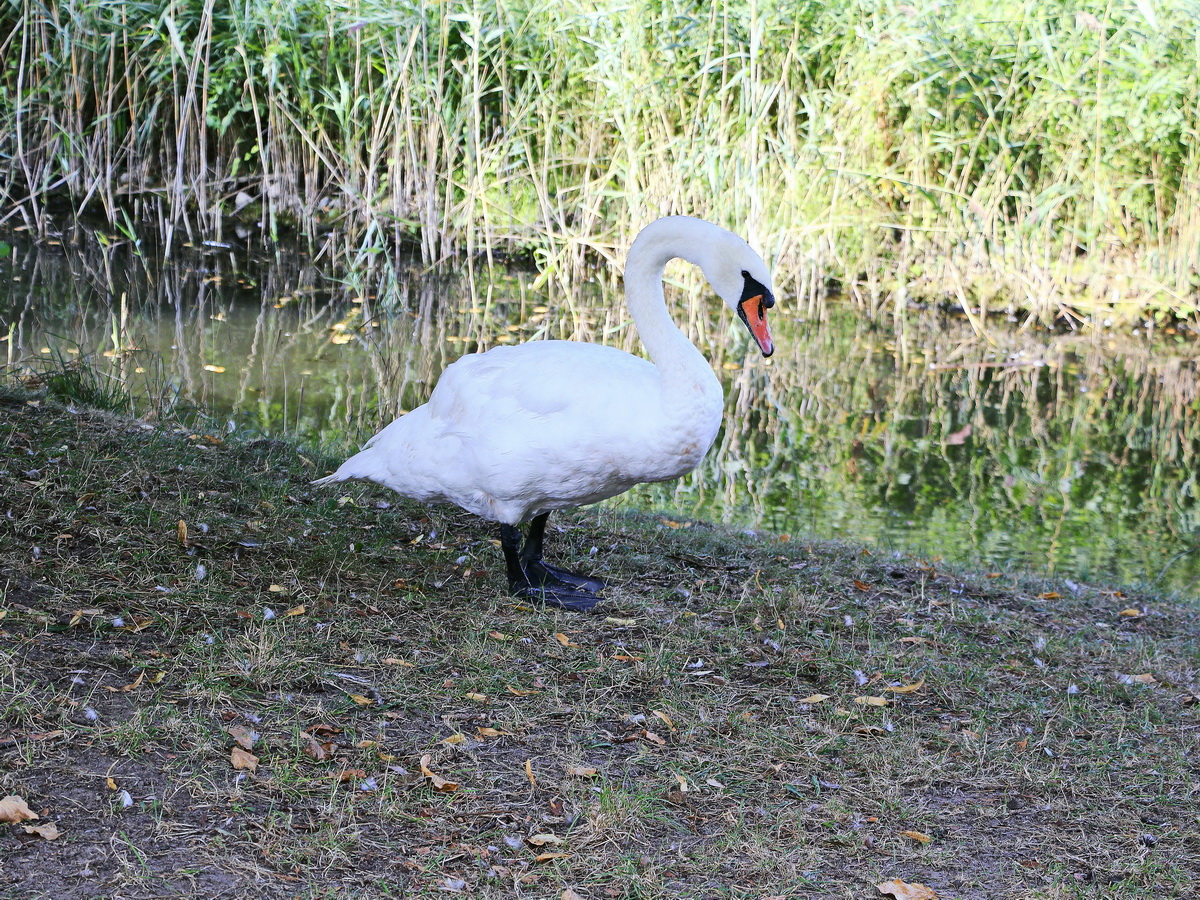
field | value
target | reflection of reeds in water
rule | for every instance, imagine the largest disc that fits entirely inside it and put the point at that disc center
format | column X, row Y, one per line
column 1024, row 447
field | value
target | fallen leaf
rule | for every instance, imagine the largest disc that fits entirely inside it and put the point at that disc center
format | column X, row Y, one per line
column 318, row 750
column 436, row 781
column 13, row 809
column 814, row 698
column 360, row 699
column 654, row 738
column 243, row 759
column 276, row 588
column 499, row 636
column 1050, row 595
column 295, row 611
column 902, row 890
column 614, row 620
column 917, row 836
column 907, row 688
column 111, row 783
column 871, row 701
column 454, row 739
column 520, row 692
column 49, row 831
column 569, row 894
column 477, row 697
column 914, row 640
column 541, row 840
column 564, row 640
column 491, row 732
column 529, row 772
column 625, row 657
column 393, row 661
column 181, row 532
column 665, row 718
column 1131, row 613
column 1145, row 678
column 861, row 585
column 348, row 775
column 243, row 735
column 582, row 771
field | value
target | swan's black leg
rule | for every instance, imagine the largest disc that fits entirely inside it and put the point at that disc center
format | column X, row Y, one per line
column 530, row 579
column 543, row 572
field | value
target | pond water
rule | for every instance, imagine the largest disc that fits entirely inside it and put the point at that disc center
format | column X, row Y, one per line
column 1064, row 454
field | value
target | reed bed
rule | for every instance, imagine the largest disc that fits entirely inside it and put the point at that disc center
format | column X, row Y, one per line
column 995, row 155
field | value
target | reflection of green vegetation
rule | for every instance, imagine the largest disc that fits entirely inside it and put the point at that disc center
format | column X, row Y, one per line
column 1077, row 456
column 1040, row 153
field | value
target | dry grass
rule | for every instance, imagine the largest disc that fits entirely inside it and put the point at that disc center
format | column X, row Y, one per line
column 1031, row 760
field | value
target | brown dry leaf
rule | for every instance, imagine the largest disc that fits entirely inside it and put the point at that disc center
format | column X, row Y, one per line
column 499, row 636
column 871, row 701
column 436, row 781
column 243, row 759
column 529, row 772
column 295, row 611
column 360, row 699
column 491, row 733
column 520, row 692
column 135, row 684
column 476, row 696
column 615, row 620
column 861, row 585
column 564, row 640
column 1050, row 595
column 348, row 775
column 318, row 750
column 393, row 661
column 654, row 738
column 1145, row 678
column 1131, row 613
column 582, row 771
column 13, row 809
column 276, row 588
column 902, row 890
column 243, row 735
column 181, row 532
column 626, row 657
column 814, row 698
column 665, row 718
column 49, row 831
column 111, row 783
column 541, row 840
column 994, row 575
column 454, row 739
column 914, row 640
column 907, row 688
column 569, row 894
column 917, row 836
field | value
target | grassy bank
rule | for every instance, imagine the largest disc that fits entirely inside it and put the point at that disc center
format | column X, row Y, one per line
column 705, row 737
column 983, row 153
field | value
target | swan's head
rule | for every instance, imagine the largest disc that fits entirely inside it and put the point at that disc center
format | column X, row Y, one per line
column 742, row 279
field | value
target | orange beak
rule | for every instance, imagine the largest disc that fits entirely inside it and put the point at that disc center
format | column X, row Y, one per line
column 753, row 311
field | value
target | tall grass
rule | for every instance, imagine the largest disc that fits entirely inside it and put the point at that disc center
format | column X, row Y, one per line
column 1000, row 153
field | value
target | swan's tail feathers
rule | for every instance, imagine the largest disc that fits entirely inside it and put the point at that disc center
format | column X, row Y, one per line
column 358, row 467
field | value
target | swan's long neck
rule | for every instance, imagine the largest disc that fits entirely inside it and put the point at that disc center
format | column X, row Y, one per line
column 682, row 366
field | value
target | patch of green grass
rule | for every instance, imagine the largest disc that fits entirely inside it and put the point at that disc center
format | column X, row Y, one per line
column 1031, row 755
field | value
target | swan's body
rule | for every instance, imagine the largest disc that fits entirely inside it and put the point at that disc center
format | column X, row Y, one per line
column 517, row 432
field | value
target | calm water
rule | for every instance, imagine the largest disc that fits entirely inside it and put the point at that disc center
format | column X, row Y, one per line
column 1064, row 454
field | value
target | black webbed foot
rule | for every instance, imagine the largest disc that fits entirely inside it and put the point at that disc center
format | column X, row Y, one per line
column 532, row 579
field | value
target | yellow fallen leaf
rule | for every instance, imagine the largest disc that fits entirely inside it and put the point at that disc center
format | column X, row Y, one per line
column 541, row 840
column 243, row 759
column 13, row 809
column 295, row 611
column 49, row 831
column 111, row 783
column 520, row 692
column 499, row 636
column 1050, row 595
column 917, row 836
column 654, row 738
column 814, row 698
column 437, row 782
column 582, row 771
column 546, row 857
column 614, row 620
column 914, row 640
column 564, row 640
column 135, row 683
column 181, row 532
column 360, row 699
column 902, row 890
column 1131, row 613
column 491, row 732
column 393, row 661
column 276, row 588
column 454, row 739
column 529, row 772
column 907, row 688
column 871, row 701
column 665, row 718
column 1145, row 678
column 477, row 697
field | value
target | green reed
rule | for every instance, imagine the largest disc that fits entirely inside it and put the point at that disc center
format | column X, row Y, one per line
column 993, row 155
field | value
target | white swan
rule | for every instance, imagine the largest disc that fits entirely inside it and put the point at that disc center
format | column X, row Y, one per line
column 517, row 432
